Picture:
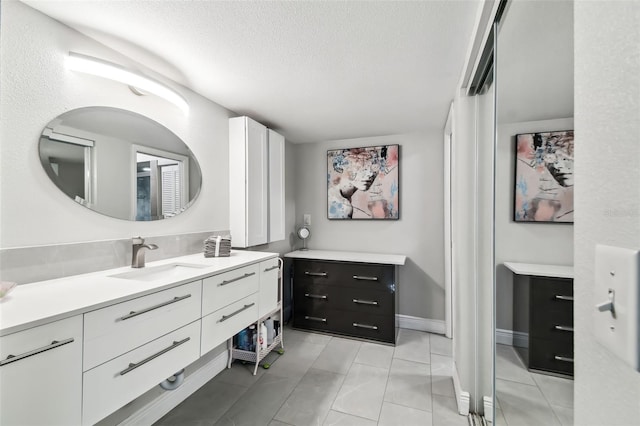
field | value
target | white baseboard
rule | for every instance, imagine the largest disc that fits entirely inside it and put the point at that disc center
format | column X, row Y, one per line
column 488, row 408
column 512, row 338
column 462, row 397
column 152, row 412
column 421, row 324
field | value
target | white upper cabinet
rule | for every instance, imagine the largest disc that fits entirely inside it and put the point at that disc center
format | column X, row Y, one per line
column 256, row 183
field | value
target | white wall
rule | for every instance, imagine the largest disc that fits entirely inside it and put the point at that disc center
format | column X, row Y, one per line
column 418, row 233
column 607, row 122
column 522, row 242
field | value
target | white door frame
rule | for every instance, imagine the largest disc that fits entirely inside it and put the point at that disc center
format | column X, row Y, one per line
column 449, row 174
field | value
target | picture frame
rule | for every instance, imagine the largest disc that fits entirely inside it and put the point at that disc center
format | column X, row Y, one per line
column 363, row 183
column 543, row 185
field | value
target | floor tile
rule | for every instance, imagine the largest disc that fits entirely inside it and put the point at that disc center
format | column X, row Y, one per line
column 445, row 412
column 557, row 390
column 564, row 414
column 310, row 401
column 442, row 375
column 293, row 335
column 375, row 355
column 524, row 405
column 409, row 385
column 510, row 367
column 441, row 345
column 338, row 355
column 362, row 391
column 413, row 345
column 499, row 418
column 336, row 418
column 296, row 360
column 240, row 373
column 394, row 415
column 277, row 423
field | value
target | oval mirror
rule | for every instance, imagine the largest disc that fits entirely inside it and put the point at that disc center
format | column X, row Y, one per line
column 120, row 163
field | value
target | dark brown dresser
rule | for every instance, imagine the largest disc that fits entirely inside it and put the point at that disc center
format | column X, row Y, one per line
column 543, row 309
column 346, row 293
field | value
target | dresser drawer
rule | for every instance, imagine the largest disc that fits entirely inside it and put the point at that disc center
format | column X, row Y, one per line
column 116, row 329
column 223, row 289
column 354, row 324
column 551, row 294
column 357, row 275
column 109, row 386
column 551, row 355
column 378, row 302
column 555, row 324
column 224, row 323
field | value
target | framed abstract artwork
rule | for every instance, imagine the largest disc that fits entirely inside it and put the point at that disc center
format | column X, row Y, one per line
column 362, row 183
column 544, row 177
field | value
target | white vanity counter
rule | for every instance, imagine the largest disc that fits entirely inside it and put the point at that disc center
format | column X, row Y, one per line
column 30, row 305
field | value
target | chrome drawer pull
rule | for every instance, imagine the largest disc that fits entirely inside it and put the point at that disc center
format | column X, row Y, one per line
column 563, row 328
column 365, row 302
column 361, row 277
column 144, row 311
column 316, row 296
column 272, row 268
column 563, row 358
column 368, row 327
column 53, row 345
column 244, row 308
column 561, row 297
column 315, row 274
column 315, row 319
column 225, row 282
column 133, row 365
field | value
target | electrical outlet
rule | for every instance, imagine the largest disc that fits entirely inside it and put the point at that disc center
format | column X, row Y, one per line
column 307, row 220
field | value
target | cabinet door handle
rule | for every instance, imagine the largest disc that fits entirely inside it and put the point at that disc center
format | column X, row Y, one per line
column 55, row 344
column 362, row 277
column 563, row 328
column 368, row 327
column 365, row 302
column 134, row 365
column 561, row 297
column 315, row 274
column 563, row 358
column 159, row 305
column 225, row 282
column 244, row 308
column 316, row 296
column 272, row 268
column 315, row 319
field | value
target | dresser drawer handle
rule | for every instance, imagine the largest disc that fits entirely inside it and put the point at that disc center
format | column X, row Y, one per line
column 561, row 297
column 365, row 302
column 563, row 358
column 316, row 296
column 53, row 345
column 368, row 327
column 315, row 274
column 244, row 308
column 134, row 365
column 160, row 305
column 225, row 282
column 272, row 268
column 361, row 277
column 315, row 319
column 563, row 328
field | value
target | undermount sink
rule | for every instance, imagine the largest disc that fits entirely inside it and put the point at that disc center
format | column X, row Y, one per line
column 158, row 272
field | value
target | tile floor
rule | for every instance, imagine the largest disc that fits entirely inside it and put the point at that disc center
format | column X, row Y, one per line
column 325, row 380
column 529, row 399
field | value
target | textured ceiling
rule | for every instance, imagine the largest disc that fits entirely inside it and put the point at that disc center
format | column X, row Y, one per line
column 313, row 70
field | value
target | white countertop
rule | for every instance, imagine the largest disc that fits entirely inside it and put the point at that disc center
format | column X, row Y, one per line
column 348, row 256
column 29, row 305
column 540, row 270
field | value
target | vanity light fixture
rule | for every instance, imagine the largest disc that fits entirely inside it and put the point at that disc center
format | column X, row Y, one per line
column 105, row 69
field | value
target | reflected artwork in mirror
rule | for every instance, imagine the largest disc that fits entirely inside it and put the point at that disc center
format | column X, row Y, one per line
column 120, row 163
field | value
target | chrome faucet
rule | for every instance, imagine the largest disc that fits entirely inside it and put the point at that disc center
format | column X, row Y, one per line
column 137, row 257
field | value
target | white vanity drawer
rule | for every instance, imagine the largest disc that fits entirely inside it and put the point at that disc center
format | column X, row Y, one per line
column 224, row 323
column 111, row 385
column 220, row 290
column 114, row 330
column 269, row 286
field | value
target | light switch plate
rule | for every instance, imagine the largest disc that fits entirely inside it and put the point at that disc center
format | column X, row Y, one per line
column 617, row 280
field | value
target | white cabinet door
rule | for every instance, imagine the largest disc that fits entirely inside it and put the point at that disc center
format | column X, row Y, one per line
column 276, row 187
column 269, row 272
column 248, row 182
column 41, row 381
